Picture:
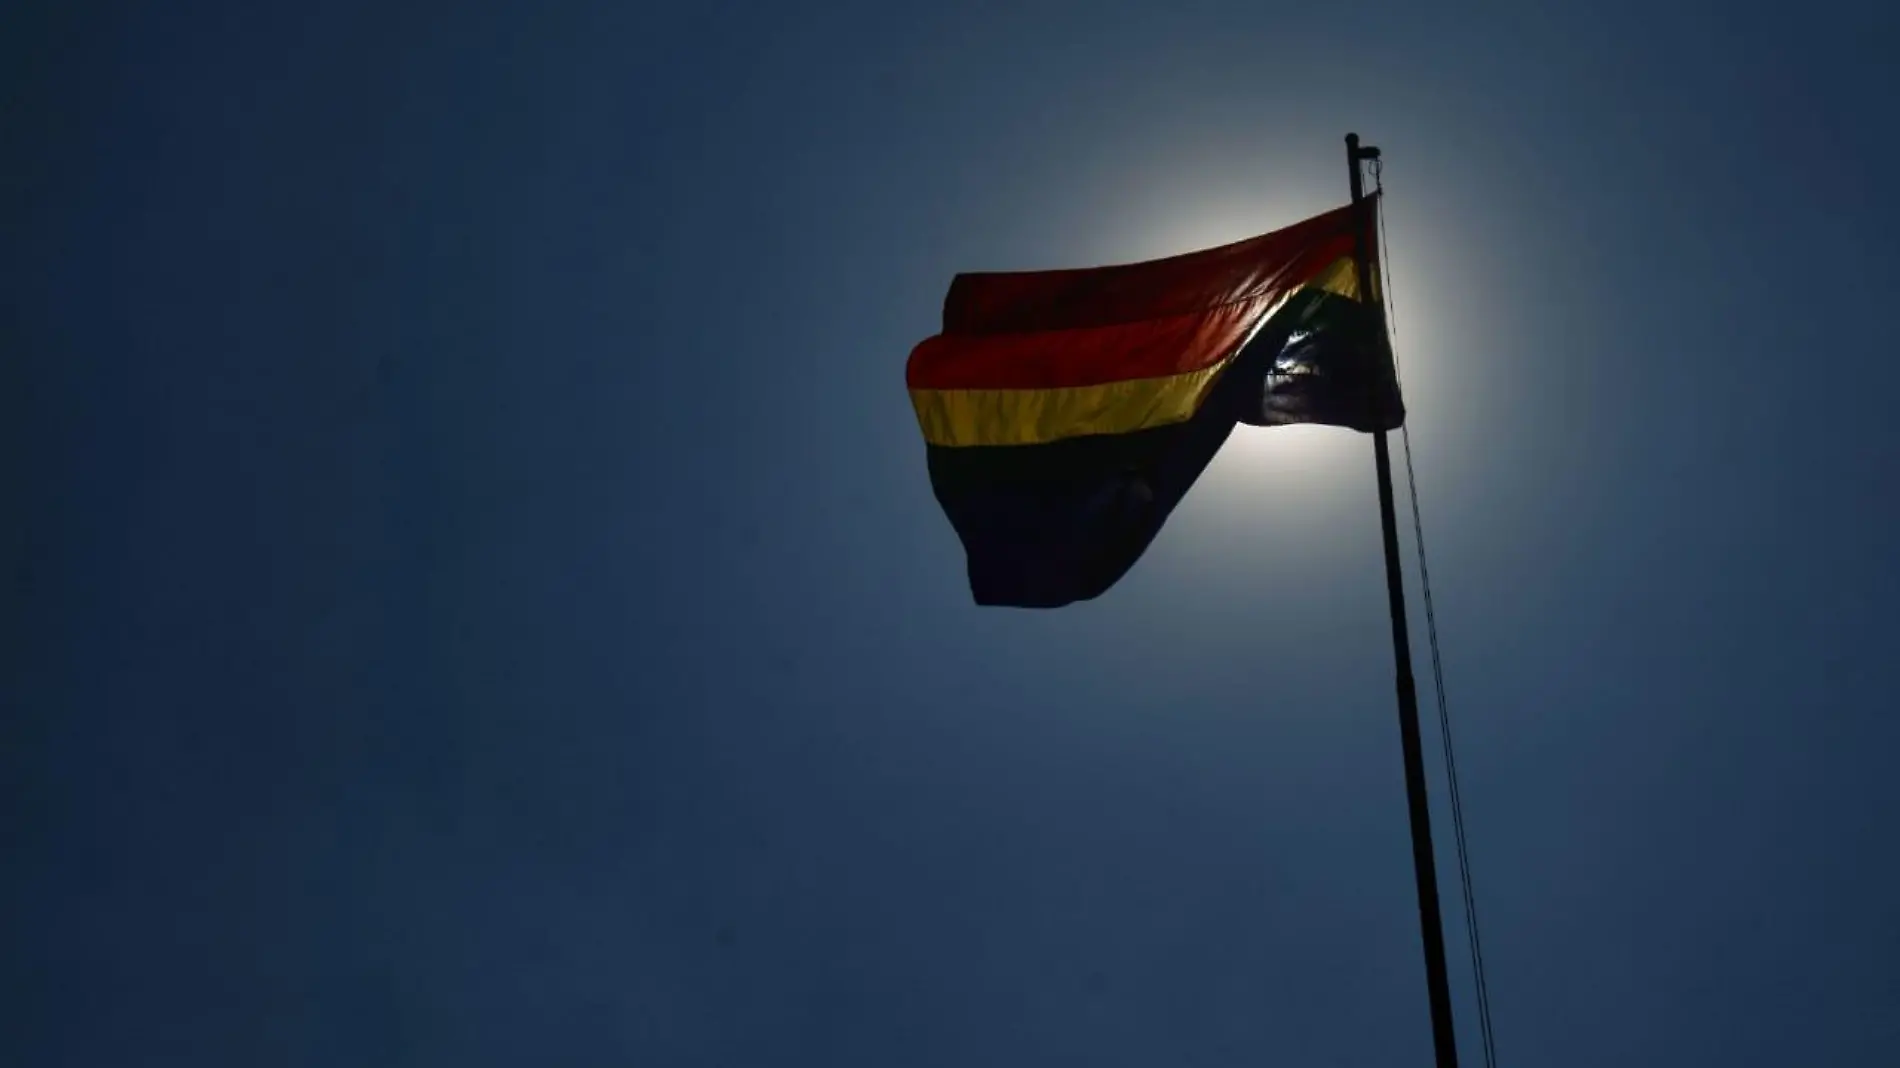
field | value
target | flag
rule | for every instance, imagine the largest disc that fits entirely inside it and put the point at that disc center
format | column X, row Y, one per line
column 1065, row 413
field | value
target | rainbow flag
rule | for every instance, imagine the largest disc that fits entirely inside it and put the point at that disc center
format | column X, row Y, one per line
column 1065, row 413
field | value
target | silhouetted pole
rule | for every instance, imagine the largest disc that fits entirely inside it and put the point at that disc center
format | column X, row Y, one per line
column 1437, row 984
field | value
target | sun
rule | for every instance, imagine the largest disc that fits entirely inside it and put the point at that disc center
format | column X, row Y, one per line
column 1313, row 478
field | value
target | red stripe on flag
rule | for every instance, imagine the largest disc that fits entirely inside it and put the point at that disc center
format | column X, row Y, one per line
column 1087, row 357
column 1012, row 302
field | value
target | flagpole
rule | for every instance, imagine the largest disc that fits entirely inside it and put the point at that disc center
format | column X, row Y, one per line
column 1437, row 983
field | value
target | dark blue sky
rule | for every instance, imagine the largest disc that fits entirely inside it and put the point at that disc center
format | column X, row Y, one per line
column 473, row 596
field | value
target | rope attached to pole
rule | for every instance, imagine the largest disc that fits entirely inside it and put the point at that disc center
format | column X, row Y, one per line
column 1438, row 669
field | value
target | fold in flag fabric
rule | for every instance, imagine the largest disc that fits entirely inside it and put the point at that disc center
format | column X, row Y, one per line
column 1065, row 413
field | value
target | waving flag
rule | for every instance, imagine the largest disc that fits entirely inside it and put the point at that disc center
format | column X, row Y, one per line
column 1065, row 413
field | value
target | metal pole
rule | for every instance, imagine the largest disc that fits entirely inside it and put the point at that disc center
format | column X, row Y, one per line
column 1437, row 983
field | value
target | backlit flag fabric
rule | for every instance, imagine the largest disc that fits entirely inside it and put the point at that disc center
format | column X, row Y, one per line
column 1065, row 413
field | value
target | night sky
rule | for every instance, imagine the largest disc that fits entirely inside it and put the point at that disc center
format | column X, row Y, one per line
column 473, row 596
